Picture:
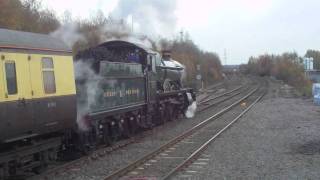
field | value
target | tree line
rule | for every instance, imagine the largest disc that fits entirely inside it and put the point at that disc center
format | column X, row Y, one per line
column 27, row 15
column 31, row 16
column 287, row 67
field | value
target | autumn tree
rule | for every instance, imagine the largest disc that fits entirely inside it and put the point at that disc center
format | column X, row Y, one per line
column 286, row 67
column 10, row 14
column 27, row 15
column 186, row 52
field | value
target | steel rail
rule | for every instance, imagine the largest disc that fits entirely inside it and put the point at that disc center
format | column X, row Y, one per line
column 211, row 89
column 100, row 152
column 196, row 153
column 218, row 102
column 121, row 172
column 216, row 97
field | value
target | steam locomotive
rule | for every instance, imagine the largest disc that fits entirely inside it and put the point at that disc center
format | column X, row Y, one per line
column 51, row 104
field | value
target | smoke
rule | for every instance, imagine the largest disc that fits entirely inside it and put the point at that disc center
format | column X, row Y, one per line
column 68, row 33
column 150, row 17
column 113, row 30
column 136, row 21
column 88, row 84
column 191, row 110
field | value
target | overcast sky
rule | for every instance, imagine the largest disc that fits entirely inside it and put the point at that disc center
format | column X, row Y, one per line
column 243, row 27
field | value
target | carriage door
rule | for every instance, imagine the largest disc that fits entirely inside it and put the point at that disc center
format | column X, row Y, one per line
column 17, row 92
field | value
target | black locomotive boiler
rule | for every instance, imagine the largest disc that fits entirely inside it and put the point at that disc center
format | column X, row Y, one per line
column 109, row 92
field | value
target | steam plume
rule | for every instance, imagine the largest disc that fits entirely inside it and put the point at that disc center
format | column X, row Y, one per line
column 152, row 17
column 191, row 110
column 90, row 88
column 68, row 33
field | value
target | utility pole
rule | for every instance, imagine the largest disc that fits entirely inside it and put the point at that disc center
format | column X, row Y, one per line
column 132, row 23
column 181, row 36
column 199, row 83
column 225, row 56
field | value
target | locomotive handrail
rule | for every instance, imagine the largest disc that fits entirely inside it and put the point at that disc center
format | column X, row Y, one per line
column 117, row 108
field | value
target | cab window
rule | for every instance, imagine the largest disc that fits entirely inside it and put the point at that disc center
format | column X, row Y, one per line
column 11, row 77
column 49, row 83
column 152, row 63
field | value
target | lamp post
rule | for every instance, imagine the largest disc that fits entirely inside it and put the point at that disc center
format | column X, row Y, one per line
column 198, row 77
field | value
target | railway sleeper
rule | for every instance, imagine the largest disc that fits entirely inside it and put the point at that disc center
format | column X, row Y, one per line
column 33, row 158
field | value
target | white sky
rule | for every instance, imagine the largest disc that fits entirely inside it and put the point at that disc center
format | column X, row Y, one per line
column 242, row 27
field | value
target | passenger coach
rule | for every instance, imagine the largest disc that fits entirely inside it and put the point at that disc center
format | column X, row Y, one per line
column 37, row 88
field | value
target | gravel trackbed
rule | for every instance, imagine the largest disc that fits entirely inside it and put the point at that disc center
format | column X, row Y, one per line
column 277, row 139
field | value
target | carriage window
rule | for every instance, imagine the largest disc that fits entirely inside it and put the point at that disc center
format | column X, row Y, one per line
column 11, row 77
column 48, row 76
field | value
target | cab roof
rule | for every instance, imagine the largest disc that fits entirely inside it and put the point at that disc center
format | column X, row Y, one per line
column 122, row 44
column 10, row 39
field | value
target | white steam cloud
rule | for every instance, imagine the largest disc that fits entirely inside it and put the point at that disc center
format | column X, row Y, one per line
column 132, row 21
column 150, row 17
column 90, row 88
column 192, row 108
column 68, row 33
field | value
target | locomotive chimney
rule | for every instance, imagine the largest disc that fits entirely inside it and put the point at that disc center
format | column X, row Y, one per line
column 166, row 54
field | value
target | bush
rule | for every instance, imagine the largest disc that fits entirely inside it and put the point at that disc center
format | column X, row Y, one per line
column 285, row 67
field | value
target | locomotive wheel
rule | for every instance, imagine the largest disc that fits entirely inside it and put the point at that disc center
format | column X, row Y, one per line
column 2, row 172
column 163, row 116
column 177, row 112
column 159, row 117
column 12, row 168
column 133, row 126
column 115, row 132
column 43, row 158
column 106, row 139
column 169, row 112
column 174, row 112
column 127, row 133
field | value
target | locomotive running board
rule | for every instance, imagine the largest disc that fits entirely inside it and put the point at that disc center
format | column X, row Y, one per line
column 174, row 92
column 95, row 115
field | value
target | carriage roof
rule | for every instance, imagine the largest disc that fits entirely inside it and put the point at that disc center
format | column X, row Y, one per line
column 10, row 39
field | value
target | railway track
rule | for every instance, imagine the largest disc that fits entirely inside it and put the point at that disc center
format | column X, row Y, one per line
column 197, row 153
column 169, row 158
column 211, row 90
column 206, row 100
column 206, row 104
column 62, row 168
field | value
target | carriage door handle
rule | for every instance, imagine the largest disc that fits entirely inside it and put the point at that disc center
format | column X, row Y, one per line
column 22, row 101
